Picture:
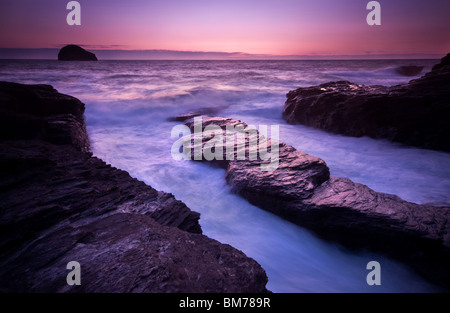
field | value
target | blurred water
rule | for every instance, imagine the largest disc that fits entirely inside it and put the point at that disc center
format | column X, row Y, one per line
column 128, row 104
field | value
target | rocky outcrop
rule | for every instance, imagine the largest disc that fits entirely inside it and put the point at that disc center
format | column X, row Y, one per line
column 75, row 53
column 38, row 112
column 61, row 204
column 296, row 177
column 302, row 191
column 417, row 113
column 188, row 115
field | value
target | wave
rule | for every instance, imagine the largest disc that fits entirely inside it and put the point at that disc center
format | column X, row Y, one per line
column 386, row 76
column 128, row 105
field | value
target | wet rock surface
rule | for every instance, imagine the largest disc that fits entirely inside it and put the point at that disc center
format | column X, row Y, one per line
column 301, row 190
column 58, row 204
column 416, row 113
column 38, row 112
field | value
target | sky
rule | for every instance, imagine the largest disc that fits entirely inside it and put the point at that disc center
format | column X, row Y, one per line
column 266, row 27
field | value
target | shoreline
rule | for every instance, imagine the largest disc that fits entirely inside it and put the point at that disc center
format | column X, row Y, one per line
column 166, row 188
column 60, row 204
column 337, row 209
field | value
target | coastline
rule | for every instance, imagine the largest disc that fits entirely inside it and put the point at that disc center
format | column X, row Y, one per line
column 60, row 204
column 415, row 113
column 302, row 191
column 126, row 153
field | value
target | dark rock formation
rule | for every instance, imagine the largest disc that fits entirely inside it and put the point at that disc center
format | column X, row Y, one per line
column 445, row 63
column 59, row 204
column 301, row 190
column 296, row 169
column 133, row 253
column 192, row 114
column 185, row 116
column 75, row 53
column 39, row 112
column 417, row 113
column 409, row 70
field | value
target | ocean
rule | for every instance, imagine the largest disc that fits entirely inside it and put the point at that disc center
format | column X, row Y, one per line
column 128, row 109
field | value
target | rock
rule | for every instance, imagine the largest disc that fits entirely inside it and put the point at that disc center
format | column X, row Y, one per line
column 415, row 114
column 75, row 53
column 60, row 204
column 185, row 116
column 40, row 112
column 188, row 115
column 298, row 170
column 302, row 191
column 409, row 70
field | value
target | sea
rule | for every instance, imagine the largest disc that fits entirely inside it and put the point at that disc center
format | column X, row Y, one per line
column 129, row 106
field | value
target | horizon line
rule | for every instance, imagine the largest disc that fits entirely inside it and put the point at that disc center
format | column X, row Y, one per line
column 165, row 54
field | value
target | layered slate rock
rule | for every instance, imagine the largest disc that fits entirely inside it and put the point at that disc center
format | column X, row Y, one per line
column 39, row 112
column 416, row 113
column 296, row 177
column 61, row 204
column 75, row 53
column 302, row 191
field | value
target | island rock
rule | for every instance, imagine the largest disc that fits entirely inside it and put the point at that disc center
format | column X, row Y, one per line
column 75, row 53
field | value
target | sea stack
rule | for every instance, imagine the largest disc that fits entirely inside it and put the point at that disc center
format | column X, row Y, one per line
column 75, row 53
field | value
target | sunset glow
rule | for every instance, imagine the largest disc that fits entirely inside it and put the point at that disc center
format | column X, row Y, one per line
column 287, row 27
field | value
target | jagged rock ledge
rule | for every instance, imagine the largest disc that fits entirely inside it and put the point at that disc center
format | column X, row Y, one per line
column 59, row 204
column 416, row 113
column 302, row 191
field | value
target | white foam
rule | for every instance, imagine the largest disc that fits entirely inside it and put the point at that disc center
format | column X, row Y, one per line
column 128, row 127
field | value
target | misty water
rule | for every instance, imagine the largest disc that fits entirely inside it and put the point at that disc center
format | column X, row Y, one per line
column 128, row 104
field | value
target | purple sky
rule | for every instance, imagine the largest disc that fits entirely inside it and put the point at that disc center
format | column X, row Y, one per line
column 281, row 27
